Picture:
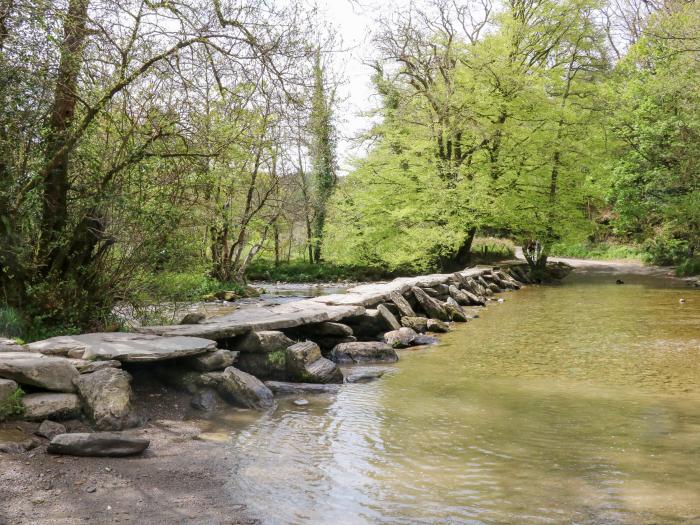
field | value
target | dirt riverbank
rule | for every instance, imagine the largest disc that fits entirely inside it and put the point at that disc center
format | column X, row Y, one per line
column 181, row 478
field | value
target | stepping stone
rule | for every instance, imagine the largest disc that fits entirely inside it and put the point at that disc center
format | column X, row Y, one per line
column 49, row 373
column 124, row 347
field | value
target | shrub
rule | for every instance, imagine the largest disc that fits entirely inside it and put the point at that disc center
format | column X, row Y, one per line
column 12, row 406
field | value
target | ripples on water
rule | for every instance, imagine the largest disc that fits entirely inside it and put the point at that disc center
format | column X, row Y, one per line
column 577, row 403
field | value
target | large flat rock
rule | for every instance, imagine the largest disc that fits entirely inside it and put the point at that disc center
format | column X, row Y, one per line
column 124, row 347
column 49, row 373
column 279, row 317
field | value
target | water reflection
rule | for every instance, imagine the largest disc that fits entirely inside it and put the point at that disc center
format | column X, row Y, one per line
column 571, row 404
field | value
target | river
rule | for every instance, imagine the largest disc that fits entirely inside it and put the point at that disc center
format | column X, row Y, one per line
column 577, row 403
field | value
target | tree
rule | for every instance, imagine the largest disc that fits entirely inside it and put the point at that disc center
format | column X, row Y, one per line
column 656, row 185
column 102, row 186
column 322, row 151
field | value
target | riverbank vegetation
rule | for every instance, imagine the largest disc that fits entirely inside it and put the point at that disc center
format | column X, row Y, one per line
column 155, row 151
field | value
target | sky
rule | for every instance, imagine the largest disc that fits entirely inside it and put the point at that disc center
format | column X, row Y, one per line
column 354, row 22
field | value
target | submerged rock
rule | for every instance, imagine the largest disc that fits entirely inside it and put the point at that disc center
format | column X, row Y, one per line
column 107, row 395
column 285, row 388
column 365, row 375
column 38, row 407
column 240, row 388
column 49, row 373
column 363, row 352
column 99, row 444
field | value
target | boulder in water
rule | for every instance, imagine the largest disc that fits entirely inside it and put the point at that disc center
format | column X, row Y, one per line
column 401, row 338
column 306, row 364
column 363, row 352
column 240, row 388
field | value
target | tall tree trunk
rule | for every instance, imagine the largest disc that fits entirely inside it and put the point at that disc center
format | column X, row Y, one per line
column 276, row 233
column 464, row 253
column 55, row 173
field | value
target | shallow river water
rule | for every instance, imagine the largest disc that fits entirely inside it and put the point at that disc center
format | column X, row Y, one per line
column 577, row 403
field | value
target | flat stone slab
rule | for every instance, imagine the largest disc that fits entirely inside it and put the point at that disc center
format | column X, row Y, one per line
column 279, row 317
column 124, row 347
column 49, row 373
column 99, row 444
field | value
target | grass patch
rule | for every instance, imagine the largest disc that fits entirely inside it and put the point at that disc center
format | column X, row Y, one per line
column 11, row 322
column 602, row 251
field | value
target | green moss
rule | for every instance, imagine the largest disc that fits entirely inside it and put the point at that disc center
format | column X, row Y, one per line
column 12, row 406
column 277, row 359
